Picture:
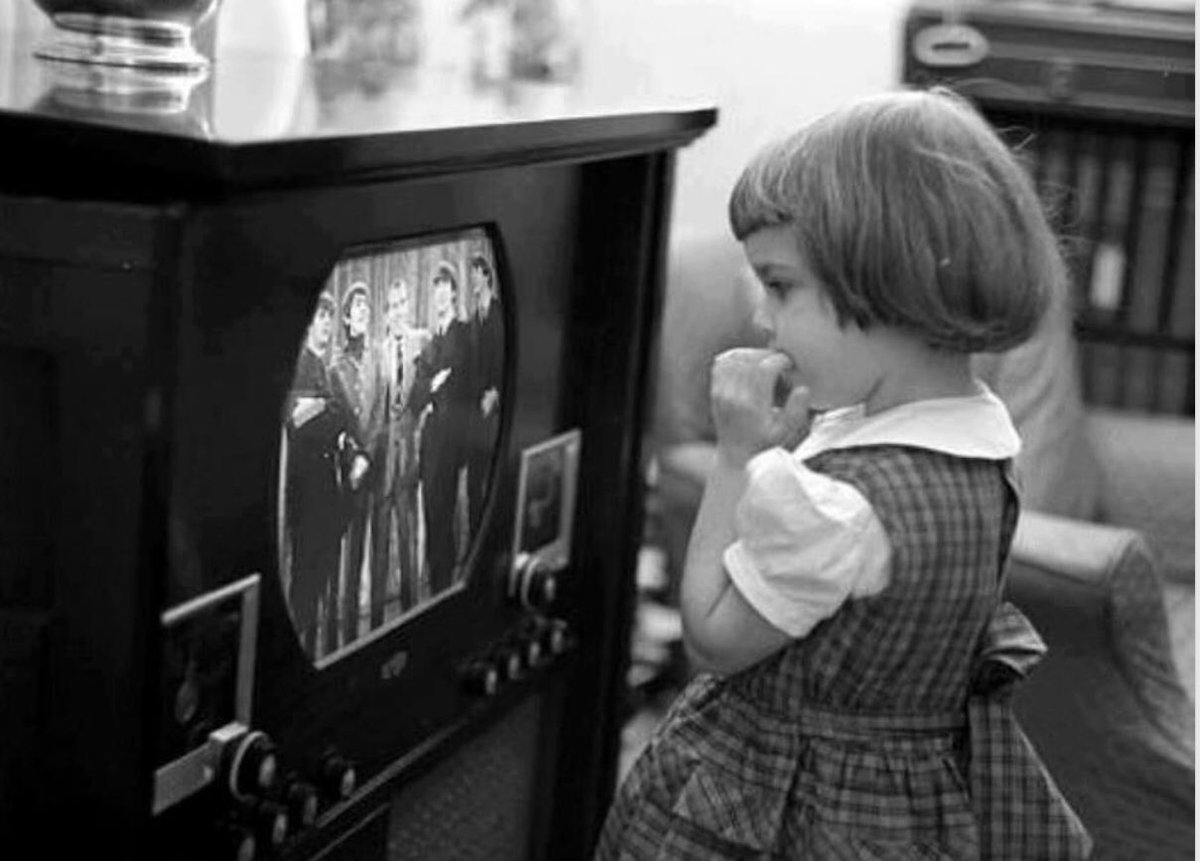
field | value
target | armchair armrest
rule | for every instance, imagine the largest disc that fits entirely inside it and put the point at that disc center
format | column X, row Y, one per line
column 1148, row 468
column 1105, row 709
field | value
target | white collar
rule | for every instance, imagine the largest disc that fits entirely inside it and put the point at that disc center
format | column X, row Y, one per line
column 969, row 426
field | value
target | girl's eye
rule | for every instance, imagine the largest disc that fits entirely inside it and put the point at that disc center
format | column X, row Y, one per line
column 777, row 288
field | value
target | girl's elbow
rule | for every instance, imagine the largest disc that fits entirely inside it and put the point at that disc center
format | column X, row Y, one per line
column 699, row 661
column 725, row 649
column 708, row 657
column 700, row 654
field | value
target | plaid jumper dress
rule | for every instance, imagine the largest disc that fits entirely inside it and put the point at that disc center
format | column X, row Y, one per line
column 886, row 732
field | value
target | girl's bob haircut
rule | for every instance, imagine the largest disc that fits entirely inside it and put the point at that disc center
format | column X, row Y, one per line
column 913, row 214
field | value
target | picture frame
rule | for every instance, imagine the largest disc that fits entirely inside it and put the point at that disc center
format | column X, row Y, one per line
column 545, row 508
column 223, row 621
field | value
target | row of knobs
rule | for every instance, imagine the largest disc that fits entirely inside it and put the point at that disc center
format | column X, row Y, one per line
column 269, row 810
column 532, row 585
column 534, row 644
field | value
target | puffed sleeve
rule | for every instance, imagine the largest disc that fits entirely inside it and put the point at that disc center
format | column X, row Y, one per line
column 805, row 544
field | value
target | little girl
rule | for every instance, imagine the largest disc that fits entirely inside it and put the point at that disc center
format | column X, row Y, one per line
column 842, row 585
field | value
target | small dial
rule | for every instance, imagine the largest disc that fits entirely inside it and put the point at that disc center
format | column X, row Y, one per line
column 251, row 765
column 534, row 584
column 481, row 677
column 338, row 777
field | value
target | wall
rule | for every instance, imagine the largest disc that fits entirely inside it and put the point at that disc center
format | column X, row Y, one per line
column 768, row 65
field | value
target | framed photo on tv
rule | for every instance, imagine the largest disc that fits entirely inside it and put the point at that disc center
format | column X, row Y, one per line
column 546, row 500
column 207, row 676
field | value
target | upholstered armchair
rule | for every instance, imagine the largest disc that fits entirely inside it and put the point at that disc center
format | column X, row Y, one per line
column 1103, row 560
column 1111, row 709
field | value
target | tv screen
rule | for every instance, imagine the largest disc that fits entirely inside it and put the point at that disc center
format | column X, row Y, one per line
column 389, row 434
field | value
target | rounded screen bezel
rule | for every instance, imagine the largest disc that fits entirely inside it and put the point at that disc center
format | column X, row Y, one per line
column 502, row 302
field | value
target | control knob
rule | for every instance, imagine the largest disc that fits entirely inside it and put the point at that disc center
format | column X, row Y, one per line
column 271, row 824
column 534, row 583
column 235, row 841
column 481, row 677
column 510, row 661
column 532, row 653
column 302, row 803
column 527, row 648
column 248, row 761
column 338, row 777
column 556, row 636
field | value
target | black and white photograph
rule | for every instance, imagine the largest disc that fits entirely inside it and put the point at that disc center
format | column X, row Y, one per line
column 546, row 499
column 388, row 436
column 598, row 430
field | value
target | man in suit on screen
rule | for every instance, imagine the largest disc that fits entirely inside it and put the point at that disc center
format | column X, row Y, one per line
column 395, row 527
column 358, row 388
column 487, row 367
column 314, row 422
column 442, row 391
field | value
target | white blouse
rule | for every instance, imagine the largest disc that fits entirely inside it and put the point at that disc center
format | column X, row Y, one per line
column 806, row 542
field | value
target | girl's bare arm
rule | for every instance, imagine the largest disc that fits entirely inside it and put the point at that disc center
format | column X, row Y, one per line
column 722, row 632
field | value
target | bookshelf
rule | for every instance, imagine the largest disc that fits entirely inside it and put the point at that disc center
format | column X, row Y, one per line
column 1100, row 103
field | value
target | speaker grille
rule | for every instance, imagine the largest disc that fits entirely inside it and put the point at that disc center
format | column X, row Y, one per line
column 479, row 803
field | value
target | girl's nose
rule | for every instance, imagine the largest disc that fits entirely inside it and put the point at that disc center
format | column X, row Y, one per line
column 762, row 322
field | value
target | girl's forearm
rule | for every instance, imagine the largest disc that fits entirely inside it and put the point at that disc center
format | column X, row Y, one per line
column 704, row 577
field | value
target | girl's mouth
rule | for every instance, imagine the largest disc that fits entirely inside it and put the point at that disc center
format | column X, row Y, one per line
column 784, row 383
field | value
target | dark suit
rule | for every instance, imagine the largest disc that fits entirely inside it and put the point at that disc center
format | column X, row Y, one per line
column 487, row 361
column 396, row 511
column 443, row 449
column 358, row 388
column 313, row 499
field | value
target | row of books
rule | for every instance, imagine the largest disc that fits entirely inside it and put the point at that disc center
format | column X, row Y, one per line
column 1124, row 206
column 1138, row 378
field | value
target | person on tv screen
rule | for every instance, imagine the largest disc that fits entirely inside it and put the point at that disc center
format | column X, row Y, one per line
column 441, row 391
column 487, row 361
column 357, row 386
column 313, row 422
column 395, row 526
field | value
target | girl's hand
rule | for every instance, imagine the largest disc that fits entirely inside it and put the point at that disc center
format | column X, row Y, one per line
column 747, row 420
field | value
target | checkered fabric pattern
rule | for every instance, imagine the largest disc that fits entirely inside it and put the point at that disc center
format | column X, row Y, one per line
column 885, row 733
column 1020, row 811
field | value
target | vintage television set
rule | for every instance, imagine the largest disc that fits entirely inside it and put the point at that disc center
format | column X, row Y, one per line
column 320, row 459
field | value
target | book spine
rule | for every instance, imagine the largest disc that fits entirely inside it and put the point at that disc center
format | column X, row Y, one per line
column 1176, row 378
column 1152, row 213
column 1109, row 264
